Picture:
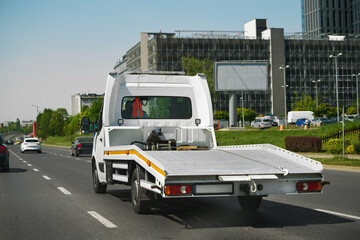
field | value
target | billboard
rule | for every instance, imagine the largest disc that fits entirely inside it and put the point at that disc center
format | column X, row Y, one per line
column 241, row 76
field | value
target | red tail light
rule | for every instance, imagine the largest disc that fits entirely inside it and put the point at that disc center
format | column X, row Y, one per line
column 2, row 150
column 177, row 189
column 309, row 186
column 79, row 145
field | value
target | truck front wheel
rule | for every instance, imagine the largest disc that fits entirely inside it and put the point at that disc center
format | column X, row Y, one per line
column 250, row 203
column 98, row 186
column 138, row 202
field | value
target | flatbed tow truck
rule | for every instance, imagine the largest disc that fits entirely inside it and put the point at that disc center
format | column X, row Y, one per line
column 156, row 135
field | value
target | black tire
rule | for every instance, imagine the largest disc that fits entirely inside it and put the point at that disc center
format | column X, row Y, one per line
column 97, row 185
column 72, row 152
column 140, row 203
column 76, row 153
column 250, row 203
column 39, row 151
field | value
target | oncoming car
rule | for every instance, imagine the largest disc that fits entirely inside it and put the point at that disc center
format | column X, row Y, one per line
column 31, row 144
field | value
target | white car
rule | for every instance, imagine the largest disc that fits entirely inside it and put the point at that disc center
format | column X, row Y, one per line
column 262, row 123
column 31, row 144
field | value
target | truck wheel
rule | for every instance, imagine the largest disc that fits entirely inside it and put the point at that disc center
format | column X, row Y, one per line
column 98, row 186
column 250, row 203
column 139, row 204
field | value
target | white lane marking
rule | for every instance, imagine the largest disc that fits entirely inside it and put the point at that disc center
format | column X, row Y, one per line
column 338, row 214
column 46, row 177
column 64, row 191
column 101, row 219
column 77, row 158
column 24, row 161
column 68, row 157
column 20, row 159
column 89, row 161
column 36, row 170
column 29, row 165
column 61, row 155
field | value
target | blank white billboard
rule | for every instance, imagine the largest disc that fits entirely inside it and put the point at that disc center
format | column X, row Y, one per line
column 241, row 76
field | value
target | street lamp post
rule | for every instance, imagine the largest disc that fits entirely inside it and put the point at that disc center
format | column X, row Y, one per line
column 37, row 109
column 284, row 86
column 336, row 79
column 316, row 89
column 357, row 92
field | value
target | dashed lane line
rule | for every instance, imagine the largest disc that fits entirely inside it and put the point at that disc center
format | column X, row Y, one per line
column 102, row 220
column 36, row 170
column 46, row 177
column 64, row 191
column 338, row 214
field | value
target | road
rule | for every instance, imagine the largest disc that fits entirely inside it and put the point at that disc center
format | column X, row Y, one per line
column 50, row 196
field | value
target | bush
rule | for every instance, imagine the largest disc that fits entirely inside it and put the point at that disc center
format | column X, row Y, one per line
column 357, row 148
column 336, row 146
column 350, row 150
column 303, row 144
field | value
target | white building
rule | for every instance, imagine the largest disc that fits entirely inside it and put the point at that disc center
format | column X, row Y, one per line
column 80, row 100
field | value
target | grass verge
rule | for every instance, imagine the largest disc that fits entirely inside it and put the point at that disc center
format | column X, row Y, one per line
column 339, row 161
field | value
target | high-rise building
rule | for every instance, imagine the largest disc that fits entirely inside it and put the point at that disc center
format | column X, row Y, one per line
column 330, row 17
column 307, row 57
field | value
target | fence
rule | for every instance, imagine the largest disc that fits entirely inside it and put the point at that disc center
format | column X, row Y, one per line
column 339, row 133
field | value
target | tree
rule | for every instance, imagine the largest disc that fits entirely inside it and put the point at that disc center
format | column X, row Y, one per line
column 351, row 110
column 72, row 125
column 43, row 123
column 57, row 121
column 249, row 114
column 304, row 104
column 221, row 115
column 94, row 110
column 322, row 110
column 193, row 66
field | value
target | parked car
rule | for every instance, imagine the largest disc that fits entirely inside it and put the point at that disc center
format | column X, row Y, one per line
column 9, row 142
column 302, row 122
column 31, row 144
column 261, row 123
column 4, row 155
column 317, row 121
column 82, row 145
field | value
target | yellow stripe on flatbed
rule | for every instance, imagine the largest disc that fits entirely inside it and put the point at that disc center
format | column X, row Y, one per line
column 133, row 152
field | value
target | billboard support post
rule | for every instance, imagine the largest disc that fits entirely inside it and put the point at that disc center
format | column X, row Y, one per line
column 232, row 109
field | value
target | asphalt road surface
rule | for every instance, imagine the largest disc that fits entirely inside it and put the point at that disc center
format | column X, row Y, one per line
column 50, row 196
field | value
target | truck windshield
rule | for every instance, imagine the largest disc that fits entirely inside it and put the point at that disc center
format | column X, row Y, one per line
column 156, row 107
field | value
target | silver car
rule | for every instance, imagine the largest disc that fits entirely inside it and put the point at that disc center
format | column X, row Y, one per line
column 31, row 144
column 262, row 123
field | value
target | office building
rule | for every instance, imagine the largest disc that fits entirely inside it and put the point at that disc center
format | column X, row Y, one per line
column 307, row 57
column 330, row 17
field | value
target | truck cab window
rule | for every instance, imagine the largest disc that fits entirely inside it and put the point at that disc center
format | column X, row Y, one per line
column 152, row 107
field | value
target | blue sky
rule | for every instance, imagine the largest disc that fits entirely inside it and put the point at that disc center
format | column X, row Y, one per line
column 52, row 49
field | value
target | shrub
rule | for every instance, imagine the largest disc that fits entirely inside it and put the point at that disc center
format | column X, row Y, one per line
column 303, row 144
column 357, row 148
column 336, row 146
column 350, row 150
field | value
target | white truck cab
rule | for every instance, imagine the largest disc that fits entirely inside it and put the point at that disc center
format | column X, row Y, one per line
column 156, row 134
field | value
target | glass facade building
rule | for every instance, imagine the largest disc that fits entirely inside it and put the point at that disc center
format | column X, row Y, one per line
column 307, row 57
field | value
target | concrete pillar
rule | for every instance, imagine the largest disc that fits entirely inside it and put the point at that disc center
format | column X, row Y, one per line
column 232, row 109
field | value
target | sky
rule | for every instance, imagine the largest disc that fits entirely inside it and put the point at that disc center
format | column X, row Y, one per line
column 52, row 49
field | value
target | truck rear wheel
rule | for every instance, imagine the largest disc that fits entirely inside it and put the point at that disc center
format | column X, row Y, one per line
column 138, row 202
column 98, row 186
column 250, row 203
